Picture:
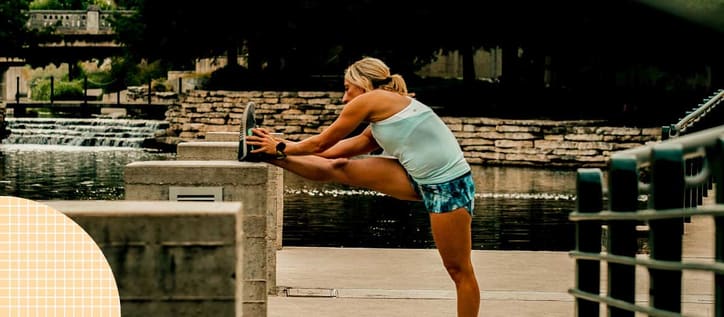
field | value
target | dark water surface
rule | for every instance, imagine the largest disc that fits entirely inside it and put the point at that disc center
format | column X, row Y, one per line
column 58, row 172
column 516, row 208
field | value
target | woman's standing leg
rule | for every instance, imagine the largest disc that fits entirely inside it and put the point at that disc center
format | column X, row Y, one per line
column 451, row 231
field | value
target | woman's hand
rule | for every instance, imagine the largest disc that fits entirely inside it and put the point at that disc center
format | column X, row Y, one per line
column 263, row 141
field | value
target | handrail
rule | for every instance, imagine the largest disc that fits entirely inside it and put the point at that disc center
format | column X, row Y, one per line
column 665, row 215
column 691, row 145
column 679, row 171
column 695, row 115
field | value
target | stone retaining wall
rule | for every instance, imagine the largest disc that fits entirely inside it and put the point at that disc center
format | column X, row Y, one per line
column 484, row 140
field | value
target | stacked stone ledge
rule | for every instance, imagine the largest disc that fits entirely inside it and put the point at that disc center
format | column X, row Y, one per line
column 582, row 143
column 489, row 141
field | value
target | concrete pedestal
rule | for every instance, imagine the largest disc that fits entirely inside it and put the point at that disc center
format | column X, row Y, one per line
column 175, row 258
column 225, row 146
column 243, row 182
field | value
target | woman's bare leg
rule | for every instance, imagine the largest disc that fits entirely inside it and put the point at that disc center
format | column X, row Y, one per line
column 384, row 175
column 451, row 231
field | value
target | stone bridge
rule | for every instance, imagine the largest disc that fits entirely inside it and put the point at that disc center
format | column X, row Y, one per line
column 84, row 34
column 91, row 21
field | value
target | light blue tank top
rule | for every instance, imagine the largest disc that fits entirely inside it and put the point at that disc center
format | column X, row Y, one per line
column 422, row 143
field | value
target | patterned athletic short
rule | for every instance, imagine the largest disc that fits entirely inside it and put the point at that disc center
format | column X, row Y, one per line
column 448, row 196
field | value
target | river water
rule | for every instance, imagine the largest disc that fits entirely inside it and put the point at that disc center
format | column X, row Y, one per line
column 516, row 208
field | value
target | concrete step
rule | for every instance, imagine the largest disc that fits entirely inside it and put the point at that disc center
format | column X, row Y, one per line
column 222, row 136
column 208, row 150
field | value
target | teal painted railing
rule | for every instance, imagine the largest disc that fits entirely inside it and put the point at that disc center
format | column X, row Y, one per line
column 692, row 118
column 665, row 188
column 697, row 119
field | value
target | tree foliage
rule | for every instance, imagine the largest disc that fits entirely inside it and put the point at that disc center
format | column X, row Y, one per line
column 555, row 53
column 70, row 4
column 13, row 33
column 282, row 39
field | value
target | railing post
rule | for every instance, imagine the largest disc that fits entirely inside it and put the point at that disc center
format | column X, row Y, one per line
column 589, row 191
column 623, row 192
column 84, row 111
column 665, row 130
column 17, row 89
column 715, row 157
column 93, row 22
column 694, row 195
column 698, row 167
column 52, row 89
column 19, row 109
column 688, row 193
column 665, row 235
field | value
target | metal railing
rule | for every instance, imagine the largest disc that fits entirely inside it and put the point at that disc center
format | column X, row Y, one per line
column 693, row 121
column 693, row 116
column 665, row 162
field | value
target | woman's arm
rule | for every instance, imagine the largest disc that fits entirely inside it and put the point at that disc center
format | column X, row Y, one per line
column 352, row 115
column 360, row 144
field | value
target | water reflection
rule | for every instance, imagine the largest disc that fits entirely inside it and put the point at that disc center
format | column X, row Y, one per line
column 54, row 172
column 523, row 209
column 516, row 208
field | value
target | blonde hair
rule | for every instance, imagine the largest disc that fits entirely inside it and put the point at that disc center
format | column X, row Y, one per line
column 371, row 73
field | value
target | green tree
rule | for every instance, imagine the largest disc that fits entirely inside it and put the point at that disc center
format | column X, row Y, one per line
column 69, row 4
column 555, row 53
column 177, row 32
column 13, row 34
column 280, row 39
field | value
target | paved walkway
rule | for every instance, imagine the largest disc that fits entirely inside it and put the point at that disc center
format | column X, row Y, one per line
column 336, row 282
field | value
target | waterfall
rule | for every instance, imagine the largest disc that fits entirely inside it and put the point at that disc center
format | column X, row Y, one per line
column 83, row 132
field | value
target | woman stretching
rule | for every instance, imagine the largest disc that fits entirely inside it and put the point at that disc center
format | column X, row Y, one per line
column 426, row 162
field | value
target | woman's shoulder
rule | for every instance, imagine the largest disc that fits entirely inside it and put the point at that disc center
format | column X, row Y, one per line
column 383, row 104
column 379, row 95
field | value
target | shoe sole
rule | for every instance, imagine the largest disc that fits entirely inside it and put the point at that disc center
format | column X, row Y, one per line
column 248, row 122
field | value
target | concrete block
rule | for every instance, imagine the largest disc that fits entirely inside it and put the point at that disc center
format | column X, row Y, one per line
column 179, row 308
column 146, row 191
column 135, row 270
column 217, row 150
column 275, row 203
column 240, row 181
column 160, row 229
column 224, row 146
column 194, row 172
column 168, row 258
column 197, row 270
column 254, row 291
column 255, row 227
column 254, row 265
column 255, row 309
column 222, row 136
